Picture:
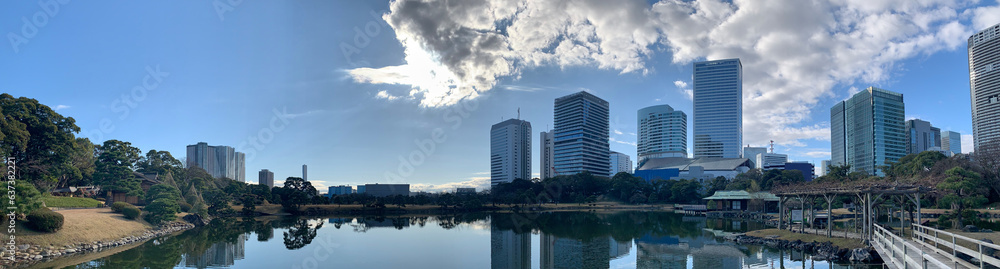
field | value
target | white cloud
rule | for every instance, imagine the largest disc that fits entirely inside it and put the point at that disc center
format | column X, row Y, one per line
column 983, row 17
column 61, row 107
column 618, row 132
column 967, row 143
column 385, row 95
column 793, row 52
column 683, row 87
column 818, row 154
column 612, row 139
column 480, row 183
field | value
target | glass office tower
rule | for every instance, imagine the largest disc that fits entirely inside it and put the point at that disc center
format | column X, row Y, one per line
column 718, row 108
column 868, row 131
column 581, row 135
column 662, row 133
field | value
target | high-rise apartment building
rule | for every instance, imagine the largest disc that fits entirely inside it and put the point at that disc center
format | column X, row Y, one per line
column 662, row 133
column 218, row 161
column 510, row 151
column 951, row 142
column 921, row 136
column 620, row 163
column 546, row 156
column 868, row 130
column 984, row 86
column 718, row 108
column 305, row 175
column 266, row 178
column 582, row 123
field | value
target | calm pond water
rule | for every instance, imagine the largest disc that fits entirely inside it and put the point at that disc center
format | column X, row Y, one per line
column 545, row 240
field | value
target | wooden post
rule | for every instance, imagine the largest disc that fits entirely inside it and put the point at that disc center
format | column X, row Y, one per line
column 781, row 211
column 829, row 215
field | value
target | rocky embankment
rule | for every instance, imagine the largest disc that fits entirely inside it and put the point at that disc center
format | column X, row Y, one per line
column 29, row 254
column 819, row 251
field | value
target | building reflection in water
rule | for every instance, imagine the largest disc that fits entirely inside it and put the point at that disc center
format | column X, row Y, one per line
column 509, row 249
column 222, row 254
column 690, row 252
column 560, row 252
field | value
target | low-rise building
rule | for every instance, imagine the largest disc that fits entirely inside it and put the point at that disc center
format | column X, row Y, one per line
column 806, row 168
column 466, row 190
column 382, row 190
column 742, row 201
column 340, row 190
column 697, row 168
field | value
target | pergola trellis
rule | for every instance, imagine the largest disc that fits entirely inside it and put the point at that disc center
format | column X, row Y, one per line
column 867, row 192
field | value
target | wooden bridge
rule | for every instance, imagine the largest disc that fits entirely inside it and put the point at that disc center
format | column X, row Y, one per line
column 933, row 248
column 926, row 247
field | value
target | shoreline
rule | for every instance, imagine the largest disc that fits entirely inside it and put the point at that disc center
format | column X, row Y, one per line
column 29, row 255
column 822, row 251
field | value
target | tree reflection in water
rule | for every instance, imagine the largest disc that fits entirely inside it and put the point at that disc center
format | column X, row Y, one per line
column 301, row 234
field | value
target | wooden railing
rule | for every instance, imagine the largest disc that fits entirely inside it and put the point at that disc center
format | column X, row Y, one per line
column 905, row 256
column 955, row 243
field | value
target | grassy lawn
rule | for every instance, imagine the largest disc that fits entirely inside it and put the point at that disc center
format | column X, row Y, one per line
column 59, row 201
column 84, row 225
column 790, row 236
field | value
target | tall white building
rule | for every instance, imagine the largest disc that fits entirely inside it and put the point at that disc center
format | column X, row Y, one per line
column 218, row 161
column 718, row 108
column 824, row 168
column 951, row 142
column 546, row 147
column 984, row 86
column 304, row 174
column 620, row 163
column 662, row 133
column 510, row 151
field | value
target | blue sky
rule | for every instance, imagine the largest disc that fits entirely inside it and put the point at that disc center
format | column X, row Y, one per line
column 360, row 90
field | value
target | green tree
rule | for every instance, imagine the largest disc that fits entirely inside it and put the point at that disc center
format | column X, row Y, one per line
column 27, row 198
column 37, row 137
column 162, row 209
column 159, row 162
column 79, row 170
column 163, row 191
column 115, row 163
column 966, row 191
column 297, row 192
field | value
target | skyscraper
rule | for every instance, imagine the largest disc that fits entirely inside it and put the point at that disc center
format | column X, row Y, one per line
column 951, row 142
column 921, row 136
column 984, row 86
column 304, row 174
column 824, row 168
column 546, row 147
column 662, row 133
column 266, row 178
column 218, row 161
column 752, row 152
column 718, row 108
column 510, row 151
column 582, row 122
column 620, row 163
column 868, row 130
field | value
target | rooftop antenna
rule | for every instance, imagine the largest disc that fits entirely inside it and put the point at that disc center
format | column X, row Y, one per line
column 772, row 146
column 518, row 113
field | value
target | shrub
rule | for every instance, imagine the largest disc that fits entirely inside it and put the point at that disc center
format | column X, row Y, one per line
column 185, row 207
column 118, row 206
column 45, row 220
column 163, row 209
column 131, row 212
column 28, row 198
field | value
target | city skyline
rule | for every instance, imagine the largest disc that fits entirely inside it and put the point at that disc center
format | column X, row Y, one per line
column 328, row 95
